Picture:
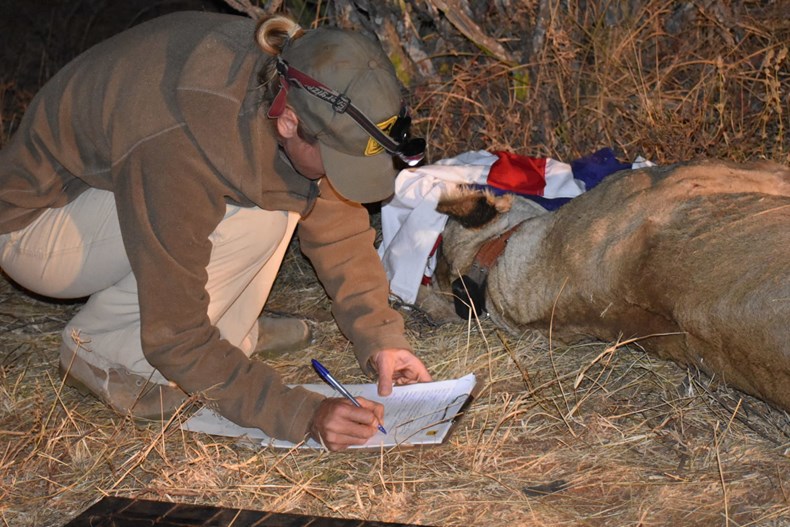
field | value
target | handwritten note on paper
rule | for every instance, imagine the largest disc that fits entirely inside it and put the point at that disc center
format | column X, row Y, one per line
column 417, row 414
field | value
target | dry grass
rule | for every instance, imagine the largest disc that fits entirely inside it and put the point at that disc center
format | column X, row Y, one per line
column 638, row 441
column 628, row 439
column 664, row 81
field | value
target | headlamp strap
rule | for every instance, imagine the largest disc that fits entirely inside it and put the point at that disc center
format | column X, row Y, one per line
column 340, row 103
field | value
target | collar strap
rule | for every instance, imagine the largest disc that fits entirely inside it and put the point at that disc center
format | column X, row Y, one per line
column 469, row 291
column 489, row 252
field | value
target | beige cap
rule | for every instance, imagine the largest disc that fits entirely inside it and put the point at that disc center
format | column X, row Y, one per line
column 356, row 68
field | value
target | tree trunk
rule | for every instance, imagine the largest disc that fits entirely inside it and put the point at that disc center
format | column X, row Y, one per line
column 412, row 32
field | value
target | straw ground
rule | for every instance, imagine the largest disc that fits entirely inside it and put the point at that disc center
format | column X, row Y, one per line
column 622, row 438
column 597, row 434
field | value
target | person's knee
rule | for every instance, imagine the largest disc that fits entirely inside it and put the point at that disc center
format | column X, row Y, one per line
column 248, row 236
column 68, row 252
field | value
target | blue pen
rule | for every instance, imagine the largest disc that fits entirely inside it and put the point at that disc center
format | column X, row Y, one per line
column 325, row 375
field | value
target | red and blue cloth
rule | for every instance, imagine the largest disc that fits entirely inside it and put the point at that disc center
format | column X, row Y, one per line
column 528, row 176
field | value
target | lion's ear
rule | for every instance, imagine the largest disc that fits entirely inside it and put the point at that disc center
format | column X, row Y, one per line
column 473, row 208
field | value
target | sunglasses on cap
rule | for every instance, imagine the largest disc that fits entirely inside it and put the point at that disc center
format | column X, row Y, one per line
column 397, row 143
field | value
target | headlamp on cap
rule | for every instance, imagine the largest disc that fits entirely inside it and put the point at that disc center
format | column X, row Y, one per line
column 397, row 143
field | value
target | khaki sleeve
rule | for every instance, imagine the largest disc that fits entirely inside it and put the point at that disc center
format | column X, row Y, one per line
column 338, row 240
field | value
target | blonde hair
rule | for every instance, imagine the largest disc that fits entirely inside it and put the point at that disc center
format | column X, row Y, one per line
column 273, row 33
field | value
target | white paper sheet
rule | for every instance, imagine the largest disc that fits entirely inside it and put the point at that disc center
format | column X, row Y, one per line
column 417, row 414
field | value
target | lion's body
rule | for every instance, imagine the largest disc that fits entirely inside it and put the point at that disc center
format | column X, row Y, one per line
column 694, row 258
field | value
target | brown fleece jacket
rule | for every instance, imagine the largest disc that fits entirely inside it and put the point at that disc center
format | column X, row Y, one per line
column 166, row 116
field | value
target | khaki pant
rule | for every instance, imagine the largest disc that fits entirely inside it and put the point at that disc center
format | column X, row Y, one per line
column 77, row 251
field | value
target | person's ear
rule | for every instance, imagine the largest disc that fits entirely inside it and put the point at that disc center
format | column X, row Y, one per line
column 287, row 123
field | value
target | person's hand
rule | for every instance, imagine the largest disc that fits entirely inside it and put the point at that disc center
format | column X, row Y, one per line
column 338, row 424
column 398, row 366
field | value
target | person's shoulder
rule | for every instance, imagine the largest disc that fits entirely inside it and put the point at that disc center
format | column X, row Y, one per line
column 195, row 21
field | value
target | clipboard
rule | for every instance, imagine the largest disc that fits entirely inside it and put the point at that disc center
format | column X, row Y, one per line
column 414, row 415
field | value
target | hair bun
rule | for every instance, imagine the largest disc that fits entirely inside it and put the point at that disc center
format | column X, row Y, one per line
column 275, row 31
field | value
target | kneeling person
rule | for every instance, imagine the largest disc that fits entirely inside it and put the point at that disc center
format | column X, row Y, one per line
column 163, row 172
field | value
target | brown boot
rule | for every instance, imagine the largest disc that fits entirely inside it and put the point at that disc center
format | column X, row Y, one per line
column 125, row 392
column 279, row 335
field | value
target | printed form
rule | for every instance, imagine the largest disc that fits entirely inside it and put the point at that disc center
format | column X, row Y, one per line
column 416, row 414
